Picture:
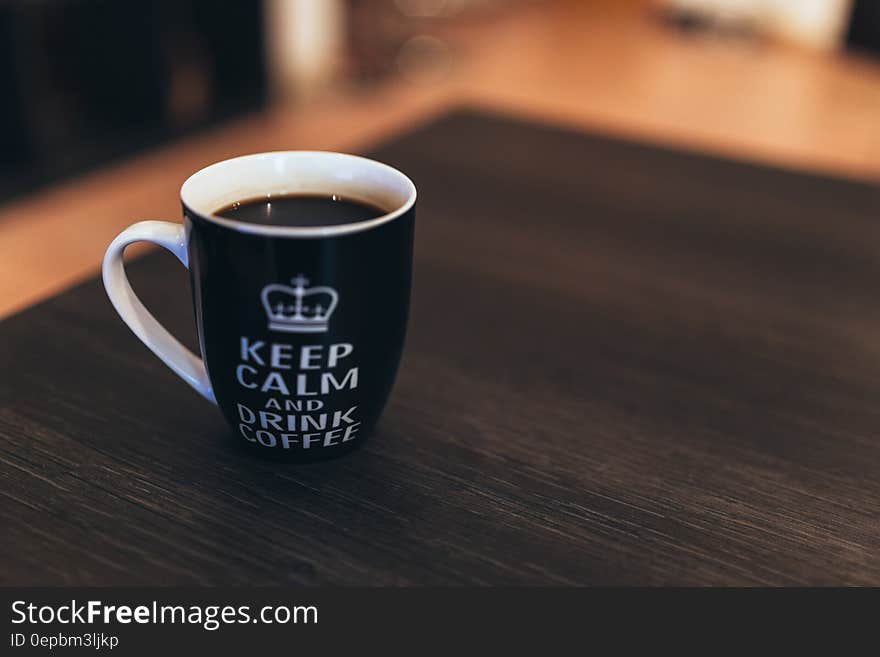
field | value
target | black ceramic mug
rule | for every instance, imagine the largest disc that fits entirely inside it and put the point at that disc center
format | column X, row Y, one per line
column 293, row 382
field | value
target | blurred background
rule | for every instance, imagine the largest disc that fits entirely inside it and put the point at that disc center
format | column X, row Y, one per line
column 109, row 105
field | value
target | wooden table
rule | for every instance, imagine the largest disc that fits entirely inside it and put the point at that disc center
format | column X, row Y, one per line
column 626, row 365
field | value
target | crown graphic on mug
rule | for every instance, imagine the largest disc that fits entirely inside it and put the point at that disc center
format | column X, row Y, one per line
column 298, row 309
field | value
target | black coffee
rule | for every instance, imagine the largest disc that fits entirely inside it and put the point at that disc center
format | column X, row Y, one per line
column 300, row 210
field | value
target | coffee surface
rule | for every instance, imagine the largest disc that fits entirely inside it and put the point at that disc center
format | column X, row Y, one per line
column 300, row 210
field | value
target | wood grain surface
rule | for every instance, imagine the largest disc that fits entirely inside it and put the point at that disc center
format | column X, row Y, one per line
column 626, row 365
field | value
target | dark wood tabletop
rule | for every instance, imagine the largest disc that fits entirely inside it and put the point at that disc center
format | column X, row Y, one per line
column 625, row 365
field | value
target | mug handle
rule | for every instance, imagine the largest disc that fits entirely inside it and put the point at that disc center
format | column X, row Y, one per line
column 181, row 360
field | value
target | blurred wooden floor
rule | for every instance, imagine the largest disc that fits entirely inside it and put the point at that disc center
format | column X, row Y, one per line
column 605, row 66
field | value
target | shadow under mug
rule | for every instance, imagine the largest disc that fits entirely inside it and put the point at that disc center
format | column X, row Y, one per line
column 301, row 328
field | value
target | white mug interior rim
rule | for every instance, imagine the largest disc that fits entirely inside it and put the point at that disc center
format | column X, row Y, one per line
column 283, row 173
